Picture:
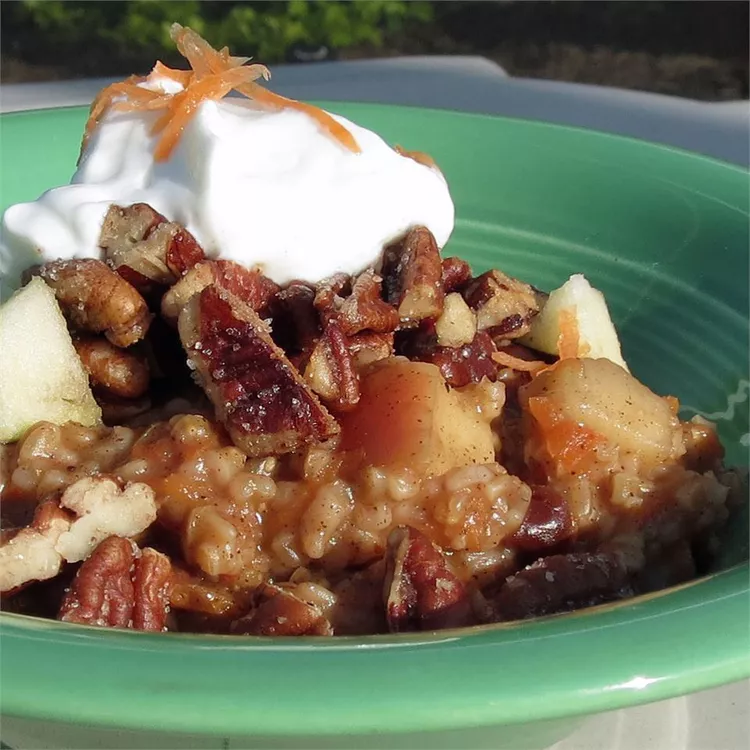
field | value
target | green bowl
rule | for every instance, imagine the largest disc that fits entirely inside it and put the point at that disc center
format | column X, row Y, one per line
column 664, row 234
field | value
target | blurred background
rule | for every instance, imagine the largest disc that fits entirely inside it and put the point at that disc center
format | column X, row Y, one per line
column 692, row 49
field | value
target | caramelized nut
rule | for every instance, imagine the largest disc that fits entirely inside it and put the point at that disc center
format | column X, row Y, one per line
column 421, row 591
column 94, row 298
column 413, row 277
column 120, row 587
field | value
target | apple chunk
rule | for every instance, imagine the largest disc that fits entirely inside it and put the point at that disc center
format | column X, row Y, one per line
column 41, row 376
column 408, row 417
column 597, row 335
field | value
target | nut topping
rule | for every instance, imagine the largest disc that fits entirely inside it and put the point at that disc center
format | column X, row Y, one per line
column 421, row 591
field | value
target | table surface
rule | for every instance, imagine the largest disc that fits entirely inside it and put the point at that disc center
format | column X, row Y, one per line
column 716, row 719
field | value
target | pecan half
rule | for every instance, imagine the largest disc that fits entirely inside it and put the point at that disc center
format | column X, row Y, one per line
column 421, row 591
column 561, row 583
column 330, row 370
column 145, row 248
column 248, row 284
column 413, row 277
column 456, row 272
column 279, row 611
column 111, row 370
column 459, row 365
column 547, row 522
column 120, row 587
column 504, row 305
column 258, row 395
column 362, row 309
column 94, row 298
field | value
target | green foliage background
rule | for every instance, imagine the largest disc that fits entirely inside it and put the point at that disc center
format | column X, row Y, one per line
column 698, row 48
column 267, row 30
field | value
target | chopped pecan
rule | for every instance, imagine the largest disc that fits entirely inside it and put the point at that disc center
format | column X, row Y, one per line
column 547, row 522
column 251, row 286
column 421, row 591
column 145, row 248
column 457, row 325
column 119, row 586
column 330, row 370
column 561, row 583
column 94, row 298
column 460, row 365
column 413, row 277
column 362, row 309
column 366, row 348
column 296, row 326
column 258, row 394
column 279, row 611
column 456, row 272
column 111, row 370
column 504, row 305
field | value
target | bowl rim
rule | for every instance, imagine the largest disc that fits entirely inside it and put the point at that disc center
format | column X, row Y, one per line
column 476, row 677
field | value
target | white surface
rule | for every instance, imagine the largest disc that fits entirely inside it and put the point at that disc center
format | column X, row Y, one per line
column 299, row 183
column 717, row 719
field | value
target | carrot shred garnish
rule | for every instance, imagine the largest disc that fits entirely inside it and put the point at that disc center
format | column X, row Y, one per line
column 569, row 339
column 418, row 156
column 571, row 446
column 516, row 363
column 212, row 75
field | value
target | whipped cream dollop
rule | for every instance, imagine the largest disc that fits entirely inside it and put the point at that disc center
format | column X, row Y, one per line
column 265, row 188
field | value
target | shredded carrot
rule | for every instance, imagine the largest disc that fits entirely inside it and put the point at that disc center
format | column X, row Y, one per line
column 516, row 363
column 212, row 75
column 569, row 338
column 418, row 156
column 571, row 446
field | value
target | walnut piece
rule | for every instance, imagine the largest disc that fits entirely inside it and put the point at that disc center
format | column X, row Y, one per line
column 257, row 393
column 421, row 591
column 413, row 277
column 94, row 298
column 504, row 305
column 120, row 586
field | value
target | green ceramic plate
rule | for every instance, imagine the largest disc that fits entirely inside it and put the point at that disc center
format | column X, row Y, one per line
column 665, row 235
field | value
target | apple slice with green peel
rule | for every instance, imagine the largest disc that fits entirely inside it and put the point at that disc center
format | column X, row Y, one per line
column 41, row 376
column 597, row 337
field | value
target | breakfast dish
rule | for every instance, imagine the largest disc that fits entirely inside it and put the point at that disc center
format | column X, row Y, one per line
column 277, row 409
